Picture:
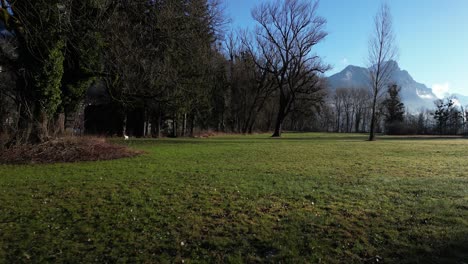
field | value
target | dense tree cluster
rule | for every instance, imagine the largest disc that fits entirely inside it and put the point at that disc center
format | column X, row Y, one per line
column 352, row 109
column 51, row 52
column 449, row 118
column 350, row 112
column 155, row 66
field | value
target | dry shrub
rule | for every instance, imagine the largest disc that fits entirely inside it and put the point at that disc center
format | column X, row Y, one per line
column 67, row 149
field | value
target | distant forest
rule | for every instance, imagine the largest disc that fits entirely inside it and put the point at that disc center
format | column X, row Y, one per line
column 174, row 68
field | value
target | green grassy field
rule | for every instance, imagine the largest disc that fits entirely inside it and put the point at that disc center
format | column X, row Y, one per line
column 303, row 198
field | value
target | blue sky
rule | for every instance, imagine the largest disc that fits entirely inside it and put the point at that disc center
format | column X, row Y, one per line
column 432, row 37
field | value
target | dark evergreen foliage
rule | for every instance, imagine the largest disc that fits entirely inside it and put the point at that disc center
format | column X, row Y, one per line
column 394, row 111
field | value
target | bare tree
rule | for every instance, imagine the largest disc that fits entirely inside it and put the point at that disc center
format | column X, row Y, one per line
column 258, row 82
column 287, row 31
column 338, row 105
column 361, row 100
column 382, row 52
column 346, row 94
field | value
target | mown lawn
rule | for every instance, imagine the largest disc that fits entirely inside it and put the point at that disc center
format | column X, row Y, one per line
column 304, row 198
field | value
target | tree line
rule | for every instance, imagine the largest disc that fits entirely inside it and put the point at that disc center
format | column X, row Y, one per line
column 171, row 60
column 176, row 66
column 349, row 111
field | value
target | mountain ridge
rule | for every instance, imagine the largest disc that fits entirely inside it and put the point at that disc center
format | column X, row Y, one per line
column 414, row 95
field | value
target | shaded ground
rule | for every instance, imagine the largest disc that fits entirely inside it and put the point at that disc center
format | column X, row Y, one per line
column 305, row 198
column 69, row 149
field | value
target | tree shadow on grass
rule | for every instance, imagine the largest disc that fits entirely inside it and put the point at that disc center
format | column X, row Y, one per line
column 435, row 252
column 333, row 137
column 422, row 138
column 321, row 138
column 248, row 140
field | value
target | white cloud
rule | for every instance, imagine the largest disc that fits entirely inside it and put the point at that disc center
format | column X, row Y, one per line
column 344, row 62
column 441, row 90
column 425, row 96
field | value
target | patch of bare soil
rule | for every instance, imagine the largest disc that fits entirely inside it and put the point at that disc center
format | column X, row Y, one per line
column 68, row 149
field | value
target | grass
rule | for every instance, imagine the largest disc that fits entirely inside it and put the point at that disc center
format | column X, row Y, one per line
column 304, row 198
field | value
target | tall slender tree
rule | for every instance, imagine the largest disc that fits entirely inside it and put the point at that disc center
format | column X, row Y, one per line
column 382, row 53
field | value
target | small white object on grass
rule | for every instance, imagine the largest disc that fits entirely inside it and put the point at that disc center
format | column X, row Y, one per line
column 125, row 137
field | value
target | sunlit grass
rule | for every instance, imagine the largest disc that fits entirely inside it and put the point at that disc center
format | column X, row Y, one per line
column 304, row 198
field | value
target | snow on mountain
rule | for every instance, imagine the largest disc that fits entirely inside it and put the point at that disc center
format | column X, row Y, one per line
column 414, row 95
column 461, row 99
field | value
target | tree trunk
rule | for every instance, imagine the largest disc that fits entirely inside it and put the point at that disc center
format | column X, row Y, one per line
column 59, row 126
column 192, row 126
column 184, row 126
column 156, row 126
column 347, row 122
column 146, row 129
column 292, row 125
column 357, row 122
column 40, row 131
column 279, row 124
column 338, row 121
column 174, row 126
column 251, row 128
column 365, row 119
column 251, row 125
column 146, row 126
column 223, row 123
column 2, row 116
column 277, row 132
column 283, row 109
column 372, row 124
column 24, row 126
column 124, row 125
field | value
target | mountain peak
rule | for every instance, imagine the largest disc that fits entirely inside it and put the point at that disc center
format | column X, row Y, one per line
column 415, row 95
column 351, row 67
column 393, row 64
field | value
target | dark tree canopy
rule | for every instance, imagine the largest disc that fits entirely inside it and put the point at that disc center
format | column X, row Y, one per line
column 395, row 109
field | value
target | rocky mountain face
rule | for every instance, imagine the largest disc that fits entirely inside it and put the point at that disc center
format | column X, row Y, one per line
column 415, row 95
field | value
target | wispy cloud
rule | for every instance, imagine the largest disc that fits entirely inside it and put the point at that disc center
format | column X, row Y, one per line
column 344, row 62
column 441, row 90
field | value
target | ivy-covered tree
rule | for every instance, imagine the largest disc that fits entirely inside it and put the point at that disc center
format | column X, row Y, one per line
column 41, row 44
column 83, row 58
column 58, row 48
